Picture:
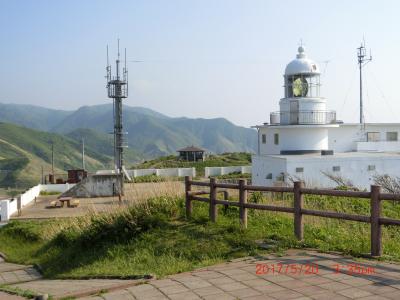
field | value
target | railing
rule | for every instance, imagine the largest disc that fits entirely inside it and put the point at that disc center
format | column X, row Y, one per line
column 298, row 190
column 312, row 117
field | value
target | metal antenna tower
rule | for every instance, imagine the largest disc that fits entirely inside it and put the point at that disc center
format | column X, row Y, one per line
column 362, row 61
column 117, row 86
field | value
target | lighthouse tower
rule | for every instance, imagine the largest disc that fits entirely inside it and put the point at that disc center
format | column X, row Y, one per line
column 303, row 119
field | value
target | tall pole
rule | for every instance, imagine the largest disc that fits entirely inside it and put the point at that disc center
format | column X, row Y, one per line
column 362, row 61
column 52, row 158
column 118, row 90
column 361, row 97
column 83, row 153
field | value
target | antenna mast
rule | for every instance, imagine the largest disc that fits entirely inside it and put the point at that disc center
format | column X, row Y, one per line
column 362, row 61
column 117, row 86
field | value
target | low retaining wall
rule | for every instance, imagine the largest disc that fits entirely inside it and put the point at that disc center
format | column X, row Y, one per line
column 99, row 185
column 168, row 172
column 217, row 171
column 8, row 207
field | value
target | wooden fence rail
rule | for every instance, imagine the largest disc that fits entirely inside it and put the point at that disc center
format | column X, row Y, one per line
column 375, row 195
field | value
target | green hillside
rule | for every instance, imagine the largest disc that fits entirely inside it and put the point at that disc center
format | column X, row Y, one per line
column 24, row 151
column 149, row 134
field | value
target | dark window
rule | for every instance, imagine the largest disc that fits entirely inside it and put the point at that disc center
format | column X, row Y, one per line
column 336, row 168
column 269, row 176
column 276, row 139
column 373, row 136
column 264, row 138
column 300, row 170
column 371, row 168
column 391, row 136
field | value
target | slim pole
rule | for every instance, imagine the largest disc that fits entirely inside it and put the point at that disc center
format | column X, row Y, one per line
column 52, row 158
column 361, row 97
column 83, row 153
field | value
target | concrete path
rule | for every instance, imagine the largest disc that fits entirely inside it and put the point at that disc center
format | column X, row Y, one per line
column 28, row 279
column 298, row 276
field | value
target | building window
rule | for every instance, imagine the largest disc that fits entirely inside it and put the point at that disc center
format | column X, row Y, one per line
column 264, row 138
column 373, row 136
column 371, row 168
column 300, row 170
column 391, row 136
column 269, row 176
column 336, row 168
column 276, row 139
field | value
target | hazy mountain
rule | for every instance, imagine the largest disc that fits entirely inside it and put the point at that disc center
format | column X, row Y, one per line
column 32, row 116
column 149, row 133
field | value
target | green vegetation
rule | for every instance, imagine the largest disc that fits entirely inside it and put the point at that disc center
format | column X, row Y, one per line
column 150, row 134
column 154, row 237
column 221, row 160
column 155, row 178
column 48, row 193
column 234, row 175
column 24, row 151
column 17, row 291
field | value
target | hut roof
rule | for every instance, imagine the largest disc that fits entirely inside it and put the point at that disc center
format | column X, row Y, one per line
column 191, row 149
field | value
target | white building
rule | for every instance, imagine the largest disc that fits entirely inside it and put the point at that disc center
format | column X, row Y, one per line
column 305, row 141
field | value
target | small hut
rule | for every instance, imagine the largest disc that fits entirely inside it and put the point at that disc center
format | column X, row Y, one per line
column 191, row 153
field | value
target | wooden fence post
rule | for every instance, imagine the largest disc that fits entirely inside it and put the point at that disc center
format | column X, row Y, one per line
column 242, row 201
column 376, row 229
column 226, row 197
column 188, row 202
column 213, row 197
column 298, row 204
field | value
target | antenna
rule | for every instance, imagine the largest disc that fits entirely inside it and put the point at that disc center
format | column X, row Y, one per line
column 118, row 90
column 362, row 61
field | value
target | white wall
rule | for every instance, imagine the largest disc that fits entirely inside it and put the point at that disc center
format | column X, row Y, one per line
column 264, row 165
column 351, row 168
column 346, row 137
column 56, row 187
column 9, row 207
column 269, row 147
column 159, row 172
column 217, row 171
column 308, row 138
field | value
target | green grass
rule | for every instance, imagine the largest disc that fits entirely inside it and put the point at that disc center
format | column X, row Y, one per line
column 17, row 291
column 155, row 238
column 221, row 160
column 234, row 175
column 48, row 193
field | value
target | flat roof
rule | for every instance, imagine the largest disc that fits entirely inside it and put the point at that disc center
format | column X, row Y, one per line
column 339, row 155
column 328, row 125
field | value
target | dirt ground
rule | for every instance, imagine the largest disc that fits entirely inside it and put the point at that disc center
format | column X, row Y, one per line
column 133, row 193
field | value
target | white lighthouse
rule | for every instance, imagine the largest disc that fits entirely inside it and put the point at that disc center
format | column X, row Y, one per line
column 304, row 141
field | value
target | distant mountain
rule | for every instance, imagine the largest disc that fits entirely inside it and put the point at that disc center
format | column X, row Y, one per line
column 32, row 116
column 149, row 133
column 24, row 151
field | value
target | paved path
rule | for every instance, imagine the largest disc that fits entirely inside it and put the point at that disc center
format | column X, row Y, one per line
column 298, row 275
column 238, row 280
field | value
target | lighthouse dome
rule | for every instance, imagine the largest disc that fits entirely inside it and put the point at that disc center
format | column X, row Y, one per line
column 302, row 64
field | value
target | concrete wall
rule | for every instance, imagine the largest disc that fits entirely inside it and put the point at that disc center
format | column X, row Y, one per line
column 179, row 172
column 383, row 146
column 264, row 165
column 9, row 207
column 96, row 186
column 354, row 169
column 216, row 171
column 56, row 187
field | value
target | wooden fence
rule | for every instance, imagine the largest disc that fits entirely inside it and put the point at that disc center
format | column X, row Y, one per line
column 375, row 195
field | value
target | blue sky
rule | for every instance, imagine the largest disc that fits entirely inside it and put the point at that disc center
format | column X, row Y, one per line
column 200, row 58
